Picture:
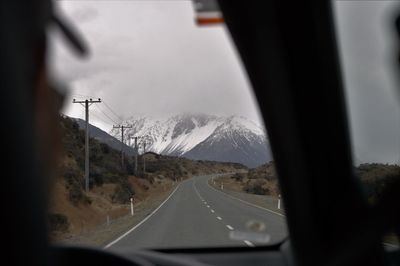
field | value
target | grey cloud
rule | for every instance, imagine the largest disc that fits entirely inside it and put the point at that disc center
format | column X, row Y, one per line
column 150, row 57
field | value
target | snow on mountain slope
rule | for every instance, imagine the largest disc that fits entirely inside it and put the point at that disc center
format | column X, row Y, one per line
column 235, row 140
column 197, row 136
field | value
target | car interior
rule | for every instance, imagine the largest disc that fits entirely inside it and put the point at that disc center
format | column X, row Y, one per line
column 290, row 53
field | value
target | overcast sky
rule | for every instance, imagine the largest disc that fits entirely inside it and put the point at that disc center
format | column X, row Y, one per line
column 149, row 57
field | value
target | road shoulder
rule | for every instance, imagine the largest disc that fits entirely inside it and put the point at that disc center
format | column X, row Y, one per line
column 268, row 203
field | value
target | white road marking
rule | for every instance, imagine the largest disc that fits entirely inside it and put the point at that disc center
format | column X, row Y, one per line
column 208, row 206
column 248, row 243
column 229, row 227
column 197, row 192
column 141, row 222
column 248, row 203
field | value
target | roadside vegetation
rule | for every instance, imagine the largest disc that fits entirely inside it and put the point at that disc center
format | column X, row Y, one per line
column 261, row 180
column 374, row 177
column 73, row 211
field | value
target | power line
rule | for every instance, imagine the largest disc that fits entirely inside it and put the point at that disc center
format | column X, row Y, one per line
column 101, row 119
column 97, row 115
column 106, row 105
column 112, row 117
column 112, row 120
column 112, row 111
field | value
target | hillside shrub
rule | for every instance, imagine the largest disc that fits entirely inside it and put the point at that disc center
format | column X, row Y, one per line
column 377, row 178
column 58, row 222
column 97, row 179
column 112, row 178
column 122, row 192
column 76, row 195
column 256, row 187
column 238, row 177
column 129, row 167
column 74, row 185
column 104, row 148
column 152, row 167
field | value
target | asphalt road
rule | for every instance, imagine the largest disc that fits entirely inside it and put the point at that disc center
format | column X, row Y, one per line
column 197, row 215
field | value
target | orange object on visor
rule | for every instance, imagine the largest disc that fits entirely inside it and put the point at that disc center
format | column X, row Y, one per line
column 209, row 20
column 207, row 12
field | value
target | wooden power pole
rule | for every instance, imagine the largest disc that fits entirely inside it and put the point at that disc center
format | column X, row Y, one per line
column 122, row 127
column 86, row 103
column 136, row 153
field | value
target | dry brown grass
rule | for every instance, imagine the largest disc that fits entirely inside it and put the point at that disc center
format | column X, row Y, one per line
column 261, row 181
column 85, row 217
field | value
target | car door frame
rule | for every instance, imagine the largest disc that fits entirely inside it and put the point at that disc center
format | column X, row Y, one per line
column 290, row 52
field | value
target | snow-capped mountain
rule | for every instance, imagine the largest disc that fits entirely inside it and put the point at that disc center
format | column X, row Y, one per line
column 202, row 137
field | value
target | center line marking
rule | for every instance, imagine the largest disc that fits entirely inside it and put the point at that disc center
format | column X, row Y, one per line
column 208, row 206
column 229, row 227
column 212, row 211
column 248, row 243
column 219, row 218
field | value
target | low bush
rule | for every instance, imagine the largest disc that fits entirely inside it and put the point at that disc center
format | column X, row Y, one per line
column 256, row 187
column 122, row 192
column 76, row 195
column 112, row 178
column 238, row 177
column 377, row 178
column 58, row 222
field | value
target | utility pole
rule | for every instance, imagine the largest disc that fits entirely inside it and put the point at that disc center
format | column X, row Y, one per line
column 122, row 127
column 144, row 156
column 136, row 153
column 136, row 156
column 87, row 104
column 129, row 140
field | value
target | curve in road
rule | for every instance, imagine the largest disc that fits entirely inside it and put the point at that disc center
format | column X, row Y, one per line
column 197, row 215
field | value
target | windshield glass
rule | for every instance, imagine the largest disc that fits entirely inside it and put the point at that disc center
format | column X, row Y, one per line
column 163, row 142
column 369, row 51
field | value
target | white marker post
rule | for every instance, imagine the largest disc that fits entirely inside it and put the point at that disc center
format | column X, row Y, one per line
column 279, row 201
column 132, row 213
column 222, row 185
